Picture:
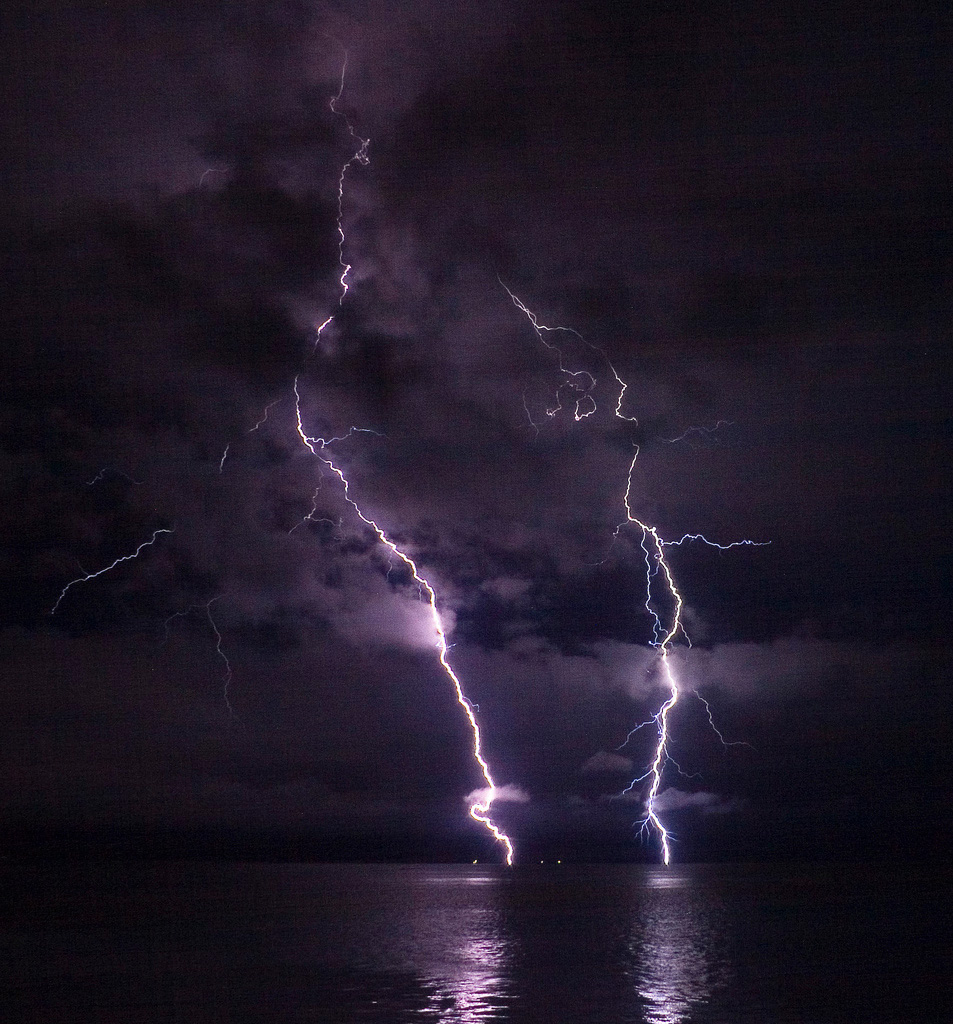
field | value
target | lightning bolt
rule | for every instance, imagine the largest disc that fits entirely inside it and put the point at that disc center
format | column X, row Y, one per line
column 312, row 516
column 715, row 544
column 264, row 416
column 581, row 382
column 657, row 569
column 108, row 568
column 716, row 730
column 227, row 675
column 703, row 432
column 479, row 810
column 652, row 542
column 106, row 471
column 227, row 678
column 361, row 156
column 208, row 171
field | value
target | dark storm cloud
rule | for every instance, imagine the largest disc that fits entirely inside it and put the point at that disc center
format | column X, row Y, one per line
column 744, row 211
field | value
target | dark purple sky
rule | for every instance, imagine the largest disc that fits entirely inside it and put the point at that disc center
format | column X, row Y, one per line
column 746, row 210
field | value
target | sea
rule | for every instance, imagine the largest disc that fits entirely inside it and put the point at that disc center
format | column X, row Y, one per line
column 137, row 943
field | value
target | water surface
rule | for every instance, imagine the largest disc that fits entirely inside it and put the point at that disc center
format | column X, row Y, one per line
column 388, row 944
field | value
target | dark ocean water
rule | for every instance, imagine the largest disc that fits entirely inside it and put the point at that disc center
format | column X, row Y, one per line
column 197, row 943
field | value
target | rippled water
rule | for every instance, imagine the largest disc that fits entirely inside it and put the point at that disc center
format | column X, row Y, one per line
column 462, row 945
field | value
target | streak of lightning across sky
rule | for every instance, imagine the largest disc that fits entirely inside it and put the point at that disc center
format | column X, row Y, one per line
column 650, row 536
column 576, row 389
column 480, row 808
column 481, row 802
column 112, row 565
column 227, row 675
column 653, row 546
column 360, row 155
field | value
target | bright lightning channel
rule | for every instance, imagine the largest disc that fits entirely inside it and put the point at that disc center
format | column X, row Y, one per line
column 480, row 809
column 651, row 538
column 653, row 545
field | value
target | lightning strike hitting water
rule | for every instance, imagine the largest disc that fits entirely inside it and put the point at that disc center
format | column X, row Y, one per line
column 480, row 809
column 653, row 546
column 662, row 640
column 99, row 572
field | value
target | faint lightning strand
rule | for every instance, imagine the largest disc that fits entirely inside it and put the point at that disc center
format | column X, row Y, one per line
column 716, row 730
column 703, row 431
column 360, row 155
column 312, row 516
column 211, row 170
column 636, row 728
column 529, row 415
column 101, row 475
column 581, row 382
column 480, row 809
column 99, row 572
column 264, row 416
column 227, row 677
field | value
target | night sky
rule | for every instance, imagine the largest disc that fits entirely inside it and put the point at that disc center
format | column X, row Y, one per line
column 744, row 206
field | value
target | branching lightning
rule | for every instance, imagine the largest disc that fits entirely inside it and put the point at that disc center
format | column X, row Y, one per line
column 575, row 391
column 702, row 432
column 100, row 572
column 361, row 156
column 479, row 809
column 227, row 675
column 581, row 383
column 663, row 639
column 715, row 544
column 480, row 806
column 664, row 633
column 312, row 516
